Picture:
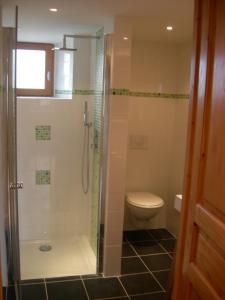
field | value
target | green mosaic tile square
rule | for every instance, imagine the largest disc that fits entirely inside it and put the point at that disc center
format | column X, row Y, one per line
column 43, row 177
column 43, row 132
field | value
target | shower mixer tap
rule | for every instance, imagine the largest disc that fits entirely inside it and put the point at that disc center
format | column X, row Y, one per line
column 86, row 115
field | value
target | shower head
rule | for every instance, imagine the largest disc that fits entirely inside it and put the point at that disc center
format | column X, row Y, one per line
column 64, row 49
column 73, row 36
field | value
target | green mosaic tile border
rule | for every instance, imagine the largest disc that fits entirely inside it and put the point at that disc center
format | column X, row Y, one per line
column 75, row 92
column 63, row 92
column 43, row 177
column 43, row 132
column 126, row 92
column 120, row 92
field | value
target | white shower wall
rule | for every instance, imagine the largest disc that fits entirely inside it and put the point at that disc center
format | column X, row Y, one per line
column 58, row 209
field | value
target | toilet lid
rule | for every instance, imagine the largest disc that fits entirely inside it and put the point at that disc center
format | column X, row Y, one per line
column 141, row 199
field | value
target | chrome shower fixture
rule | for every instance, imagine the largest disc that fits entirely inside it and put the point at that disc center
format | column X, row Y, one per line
column 73, row 36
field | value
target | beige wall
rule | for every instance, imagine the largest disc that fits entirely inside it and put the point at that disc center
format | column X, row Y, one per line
column 158, row 68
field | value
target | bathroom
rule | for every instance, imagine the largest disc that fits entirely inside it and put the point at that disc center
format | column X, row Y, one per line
column 128, row 77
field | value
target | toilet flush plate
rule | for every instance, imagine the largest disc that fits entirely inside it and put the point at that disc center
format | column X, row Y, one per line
column 178, row 202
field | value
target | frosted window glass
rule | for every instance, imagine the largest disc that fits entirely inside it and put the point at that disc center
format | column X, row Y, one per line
column 30, row 69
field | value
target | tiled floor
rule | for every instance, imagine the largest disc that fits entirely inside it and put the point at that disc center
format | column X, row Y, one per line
column 146, row 262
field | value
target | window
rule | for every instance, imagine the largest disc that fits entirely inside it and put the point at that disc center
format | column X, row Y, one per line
column 35, row 69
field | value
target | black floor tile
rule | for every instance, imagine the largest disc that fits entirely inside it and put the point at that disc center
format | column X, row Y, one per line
column 104, row 288
column 67, row 278
column 137, row 235
column 127, row 250
column 148, row 247
column 66, row 290
column 155, row 296
column 11, row 295
column 33, row 291
column 161, row 233
column 139, row 284
column 163, row 278
column 169, row 245
column 157, row 262
column 131, row 265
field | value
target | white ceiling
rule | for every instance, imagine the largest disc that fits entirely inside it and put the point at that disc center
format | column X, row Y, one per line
column 149, row 18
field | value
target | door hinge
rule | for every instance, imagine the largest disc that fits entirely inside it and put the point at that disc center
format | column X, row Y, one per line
column 16, row 186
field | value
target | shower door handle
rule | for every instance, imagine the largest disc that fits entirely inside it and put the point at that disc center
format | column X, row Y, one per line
column 16, row 186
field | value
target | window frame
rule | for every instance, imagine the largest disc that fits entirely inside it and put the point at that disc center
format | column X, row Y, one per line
column 49, row 69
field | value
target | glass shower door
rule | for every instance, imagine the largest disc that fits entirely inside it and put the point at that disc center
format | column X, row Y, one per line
column 58, row 213
column 9, row 36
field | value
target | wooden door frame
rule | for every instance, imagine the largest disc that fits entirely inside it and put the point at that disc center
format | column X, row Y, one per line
column 178, row 276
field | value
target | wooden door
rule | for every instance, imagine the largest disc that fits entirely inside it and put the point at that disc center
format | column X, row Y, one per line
column 200, row 262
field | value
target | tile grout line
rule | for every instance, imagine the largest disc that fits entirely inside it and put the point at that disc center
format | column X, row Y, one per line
column 125, row 297
column 167, row 252
column 150, row 254
column 170, row 256
column 55, row 281
column 129, row 274
column 124, row 288
column 32, row 283
column 149, row 270
column 151, row 293
column 85, row 288
column 46, row 291
column 162, row 239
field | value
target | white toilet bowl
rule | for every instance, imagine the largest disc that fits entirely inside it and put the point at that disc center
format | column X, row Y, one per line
column 143, row 207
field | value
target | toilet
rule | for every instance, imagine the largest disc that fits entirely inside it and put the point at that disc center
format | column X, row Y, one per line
column 143, row 207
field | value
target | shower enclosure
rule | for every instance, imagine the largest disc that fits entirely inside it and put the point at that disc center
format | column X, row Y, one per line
column 56, row 179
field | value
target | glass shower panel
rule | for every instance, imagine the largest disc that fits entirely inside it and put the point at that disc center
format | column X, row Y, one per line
column 9, row 58
column 57, row 144
column 97, row 147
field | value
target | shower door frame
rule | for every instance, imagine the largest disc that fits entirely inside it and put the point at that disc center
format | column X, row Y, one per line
column 10, row 104
column 104, row 145
column 12, row 165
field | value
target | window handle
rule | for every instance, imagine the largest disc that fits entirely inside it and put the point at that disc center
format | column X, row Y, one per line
column 49, row 76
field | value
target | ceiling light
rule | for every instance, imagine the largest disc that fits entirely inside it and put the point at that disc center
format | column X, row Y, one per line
column 125, row 38
column 169, row 28
column 53, row 9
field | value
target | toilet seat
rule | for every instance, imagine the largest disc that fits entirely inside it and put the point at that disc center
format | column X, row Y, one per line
column 144, row 200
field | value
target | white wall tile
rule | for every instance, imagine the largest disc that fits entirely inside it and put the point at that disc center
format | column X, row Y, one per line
column 118, row 132
column 112, row 260
column 114, row 229
column 61, row 208
column 119, row 106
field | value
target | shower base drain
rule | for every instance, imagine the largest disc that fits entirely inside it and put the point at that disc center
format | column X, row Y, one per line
column 45, row 248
